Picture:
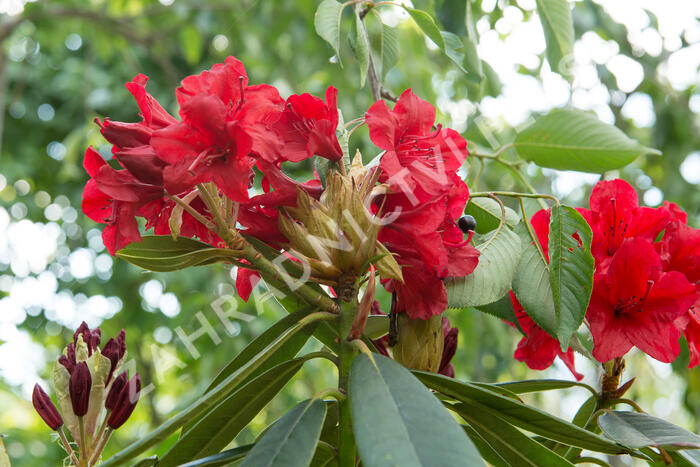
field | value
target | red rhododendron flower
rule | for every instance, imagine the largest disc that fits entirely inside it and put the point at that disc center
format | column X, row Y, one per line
column 635, row 303
column 213, row 142
column 416, row 154
column 538, row 349
column 615, row 215
column 307, row 127
column 114, row 197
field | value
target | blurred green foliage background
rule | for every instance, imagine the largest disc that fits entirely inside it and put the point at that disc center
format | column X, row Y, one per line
column 63, row 63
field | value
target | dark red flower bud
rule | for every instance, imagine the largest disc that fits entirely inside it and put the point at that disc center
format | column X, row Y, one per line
column 127, row 401
column 68, row 360
column 90, row 337
column 116, row 390
column 47, row 411
column 449, row 348
column 114, row 349
column 79, row 387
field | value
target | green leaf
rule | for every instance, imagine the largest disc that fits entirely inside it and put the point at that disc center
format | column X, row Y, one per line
column 327, row 24
column 161, row 253
column 537, row 385
column 487, row 214
column 502, row 309
column 521, row 415
column 493, row 276
column 147, row 462
column 638, row 430
column 531, row 284
column 286, row 352
column 509, row 442
column 389, row 48
column 493, row 85
column 395, row 419
column 453, row 46
column 223, row 458
column 485, row 449
column 291, row 441
column 377, row 326
column 555, row 16
column 191, row 41
column 221, row 425
column 427, row 24
column 211, row 398
column 577, row 140
column 361, row 46
column 570, row 269
column 582, row 417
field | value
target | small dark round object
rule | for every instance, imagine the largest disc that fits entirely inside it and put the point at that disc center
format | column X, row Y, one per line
column 467, row 223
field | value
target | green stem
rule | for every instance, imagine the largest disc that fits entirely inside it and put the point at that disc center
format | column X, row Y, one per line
column 332, row 392
column 590, row 460
column 99, row 446
column 629, row 402
column 514, row 194
column 266, row 267
column 83, row 443
column 66, row 445
column 213, row 397
column 346, row 455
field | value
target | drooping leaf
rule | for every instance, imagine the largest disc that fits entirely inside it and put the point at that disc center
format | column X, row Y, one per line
column 531, row 284
column 576, row 140
column 570, row 269
column 493, row 276
column 582, row 417
column 521, row 415
column 327, row 24
column 395, row 419
column 427, row 24
column 511, row 444
column 454, row 49
column 162, row 253
column 487, row 214
column 219, row 426
column 389, row 48
column 537, row 385
column 555, row 16
column 638, row 430
column 223, row 458
column 292, row 440
column 361, row 46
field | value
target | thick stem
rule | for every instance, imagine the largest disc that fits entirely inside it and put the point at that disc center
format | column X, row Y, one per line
column 346, row 455
column 84, row 452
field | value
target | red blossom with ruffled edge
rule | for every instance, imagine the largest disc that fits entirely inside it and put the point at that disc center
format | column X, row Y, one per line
column 213, row 142
column 635, row 303
column 306, row 128
column 679, row 250
column 114, row 197
column 416, row 154
column 538, row 349
column 615, row 215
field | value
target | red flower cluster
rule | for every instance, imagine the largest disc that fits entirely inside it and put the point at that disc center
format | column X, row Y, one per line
column 644, row 287
column 424, row 201
column 226, row 127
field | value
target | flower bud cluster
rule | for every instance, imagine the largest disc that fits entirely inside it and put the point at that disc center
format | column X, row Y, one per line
column 92, row 401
